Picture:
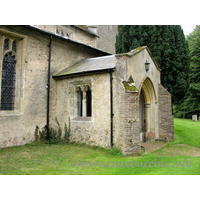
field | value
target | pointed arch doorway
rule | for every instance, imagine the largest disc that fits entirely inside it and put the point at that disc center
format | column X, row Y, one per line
column 147, row 110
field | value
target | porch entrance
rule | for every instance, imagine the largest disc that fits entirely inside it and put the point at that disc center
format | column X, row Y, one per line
column 141, row 116
column 147, row 110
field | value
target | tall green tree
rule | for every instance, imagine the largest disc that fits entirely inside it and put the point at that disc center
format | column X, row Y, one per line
column 168, row 46
column 191, row 105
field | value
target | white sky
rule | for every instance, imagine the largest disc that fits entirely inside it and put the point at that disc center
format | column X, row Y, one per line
column 188, row 28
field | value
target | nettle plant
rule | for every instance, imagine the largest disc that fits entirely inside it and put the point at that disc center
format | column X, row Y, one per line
column 55, row 135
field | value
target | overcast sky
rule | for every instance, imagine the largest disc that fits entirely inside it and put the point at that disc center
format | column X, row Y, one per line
column 188, row 28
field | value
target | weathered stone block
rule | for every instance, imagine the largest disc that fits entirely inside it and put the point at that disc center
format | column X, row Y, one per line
column 194, row 118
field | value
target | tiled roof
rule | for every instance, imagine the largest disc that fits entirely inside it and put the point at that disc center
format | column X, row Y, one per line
column 89, row 65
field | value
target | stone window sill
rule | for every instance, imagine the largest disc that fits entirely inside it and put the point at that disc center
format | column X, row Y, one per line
column 82, row 119
column 131, row 91
column 12, row 113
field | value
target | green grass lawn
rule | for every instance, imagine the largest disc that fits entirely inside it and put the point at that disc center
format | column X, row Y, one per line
column 58, row 158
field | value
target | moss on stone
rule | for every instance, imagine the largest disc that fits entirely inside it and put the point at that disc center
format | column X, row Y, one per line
column 129, row 85
column 133, row 52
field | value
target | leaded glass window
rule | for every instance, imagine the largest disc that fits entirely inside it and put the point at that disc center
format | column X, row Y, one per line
column 8, row 82
column 6, row 45
column 14, row 47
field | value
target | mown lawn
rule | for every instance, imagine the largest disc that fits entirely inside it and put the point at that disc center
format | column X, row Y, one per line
column 59, row 158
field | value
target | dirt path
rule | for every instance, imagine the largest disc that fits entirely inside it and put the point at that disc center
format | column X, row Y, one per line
column 175, row 150
column 152, row 146
column 180, row 149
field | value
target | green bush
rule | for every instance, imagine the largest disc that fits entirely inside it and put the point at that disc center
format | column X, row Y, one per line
column 179, row 111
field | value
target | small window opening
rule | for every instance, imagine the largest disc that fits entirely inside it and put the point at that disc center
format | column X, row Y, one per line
column 6, row 45
column 84, row 102
column 14, row 47
column 88, row 103
column 110, row 27
column 80, row 104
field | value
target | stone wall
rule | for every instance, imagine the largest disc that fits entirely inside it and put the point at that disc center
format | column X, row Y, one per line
column 73, row 33
column 166, row 124
column 107, row 37
column 94, row 130
column 129, row 122
column 85, row 38
column 17, row 127
column 126, row 112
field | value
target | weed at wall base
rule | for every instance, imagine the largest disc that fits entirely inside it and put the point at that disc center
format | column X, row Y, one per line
column 67, row 131
column 54, row 134
column 116, row 152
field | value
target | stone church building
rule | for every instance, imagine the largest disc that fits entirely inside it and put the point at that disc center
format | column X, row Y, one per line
column 112, row 100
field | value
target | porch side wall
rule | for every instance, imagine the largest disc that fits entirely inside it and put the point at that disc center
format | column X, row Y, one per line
column 129, row 122
column 94, row 130
column 126, row 112
column 166, row 124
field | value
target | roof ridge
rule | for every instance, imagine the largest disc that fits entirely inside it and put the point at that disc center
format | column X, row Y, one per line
column 138, row 50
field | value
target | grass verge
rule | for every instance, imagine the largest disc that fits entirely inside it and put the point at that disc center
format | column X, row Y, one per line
column 80, row 159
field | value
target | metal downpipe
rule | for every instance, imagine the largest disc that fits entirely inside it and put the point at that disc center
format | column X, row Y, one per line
column 48, row 89
column 111, row 110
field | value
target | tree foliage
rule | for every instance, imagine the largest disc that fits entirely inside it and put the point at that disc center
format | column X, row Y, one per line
column 168, row 46
column 191, row 104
